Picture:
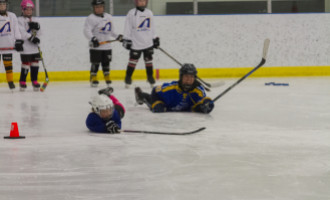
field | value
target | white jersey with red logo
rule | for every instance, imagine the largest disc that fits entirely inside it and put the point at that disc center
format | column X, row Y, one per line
column 140, row 28
column 26, row 33
column 9, row 32
column 100, row 27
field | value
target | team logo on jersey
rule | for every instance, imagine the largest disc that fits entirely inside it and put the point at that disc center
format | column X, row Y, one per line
column 107, row 27
column 5, row 28
column 145, row 25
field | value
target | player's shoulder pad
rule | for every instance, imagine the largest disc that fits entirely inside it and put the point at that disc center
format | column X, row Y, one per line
column 199, row 90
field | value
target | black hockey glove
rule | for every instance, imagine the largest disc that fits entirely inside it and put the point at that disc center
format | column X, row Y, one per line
column 156, row 42
column 206, row 107
column 19, row 45
column 120, row 38
column 112, row 127
column 127, row 44
column 159, row 108
column 34, row 39
column 94, row 42
column 34, row 26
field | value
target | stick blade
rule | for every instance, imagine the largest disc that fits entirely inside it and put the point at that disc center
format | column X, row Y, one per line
column 43, row 87
column 266, row 47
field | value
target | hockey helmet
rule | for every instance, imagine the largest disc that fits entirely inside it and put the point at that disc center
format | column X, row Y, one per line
column 188, row 69
column 136, row 3
column 191, row 70
column 27, row 4
column 98, row 2
column 102, row 102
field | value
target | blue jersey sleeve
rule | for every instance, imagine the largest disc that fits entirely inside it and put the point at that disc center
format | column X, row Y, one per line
column 96, row 124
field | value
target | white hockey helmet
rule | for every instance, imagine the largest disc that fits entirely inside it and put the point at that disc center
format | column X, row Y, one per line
column 101, row 102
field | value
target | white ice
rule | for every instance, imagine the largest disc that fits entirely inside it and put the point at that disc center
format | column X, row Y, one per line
column 260, row 143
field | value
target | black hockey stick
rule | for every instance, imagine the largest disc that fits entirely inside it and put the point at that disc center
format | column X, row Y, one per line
column 165, row 133
column 208, row 85
column 44, row 85
column 262, row 62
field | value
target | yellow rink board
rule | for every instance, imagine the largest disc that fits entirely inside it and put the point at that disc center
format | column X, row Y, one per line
column 173, row 73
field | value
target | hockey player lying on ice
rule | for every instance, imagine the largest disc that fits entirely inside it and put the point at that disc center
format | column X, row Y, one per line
column 106, row 113
column 184, row 95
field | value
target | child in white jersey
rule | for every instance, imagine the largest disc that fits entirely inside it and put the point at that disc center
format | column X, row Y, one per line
column 30, row 31
column 98, row 29
column 140, row 37
column 10, row 39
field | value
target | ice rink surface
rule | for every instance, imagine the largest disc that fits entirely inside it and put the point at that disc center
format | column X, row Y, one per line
column 260, row 143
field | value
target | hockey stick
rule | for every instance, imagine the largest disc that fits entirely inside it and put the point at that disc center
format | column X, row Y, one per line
column 165, row 133
column 208, row 85
column 262, row 62
column 44, row 85
column 107, row 41
column 7, row 48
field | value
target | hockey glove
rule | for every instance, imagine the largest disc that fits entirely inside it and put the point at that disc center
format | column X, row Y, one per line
column 19, row 45
column 156, row 42
column 120, row 38
column 127, row 44
column 112, row 127
column 206, row 107
column 158, row 108
column 94, row 42
column 34, row 39
column 34, row 26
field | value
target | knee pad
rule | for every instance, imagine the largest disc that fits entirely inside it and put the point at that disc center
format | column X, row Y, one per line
column 134, row 55
column 34, row 64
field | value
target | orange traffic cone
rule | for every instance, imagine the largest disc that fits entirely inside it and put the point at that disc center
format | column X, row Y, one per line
column 14, row 134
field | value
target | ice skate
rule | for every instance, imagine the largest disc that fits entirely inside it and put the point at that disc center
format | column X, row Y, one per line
column 93, row 81
column 151, row 81
column 36, row 86
column 11, row 86
column 138, row 96
column 128, row 81
column 22, row 86
column 108, row 83
column 107, row 91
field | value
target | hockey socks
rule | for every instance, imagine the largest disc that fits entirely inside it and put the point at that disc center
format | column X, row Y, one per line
column 149, row 69
column 129, row 73
column 8, row 63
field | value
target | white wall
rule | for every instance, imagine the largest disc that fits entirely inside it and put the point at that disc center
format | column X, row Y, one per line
column 213, row 41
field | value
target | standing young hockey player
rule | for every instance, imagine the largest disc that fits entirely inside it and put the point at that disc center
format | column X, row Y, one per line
column 106, row 113
column 140, row 37
column 9, row 37
column 30, row 31
column 184, row 95
column 98, row 28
